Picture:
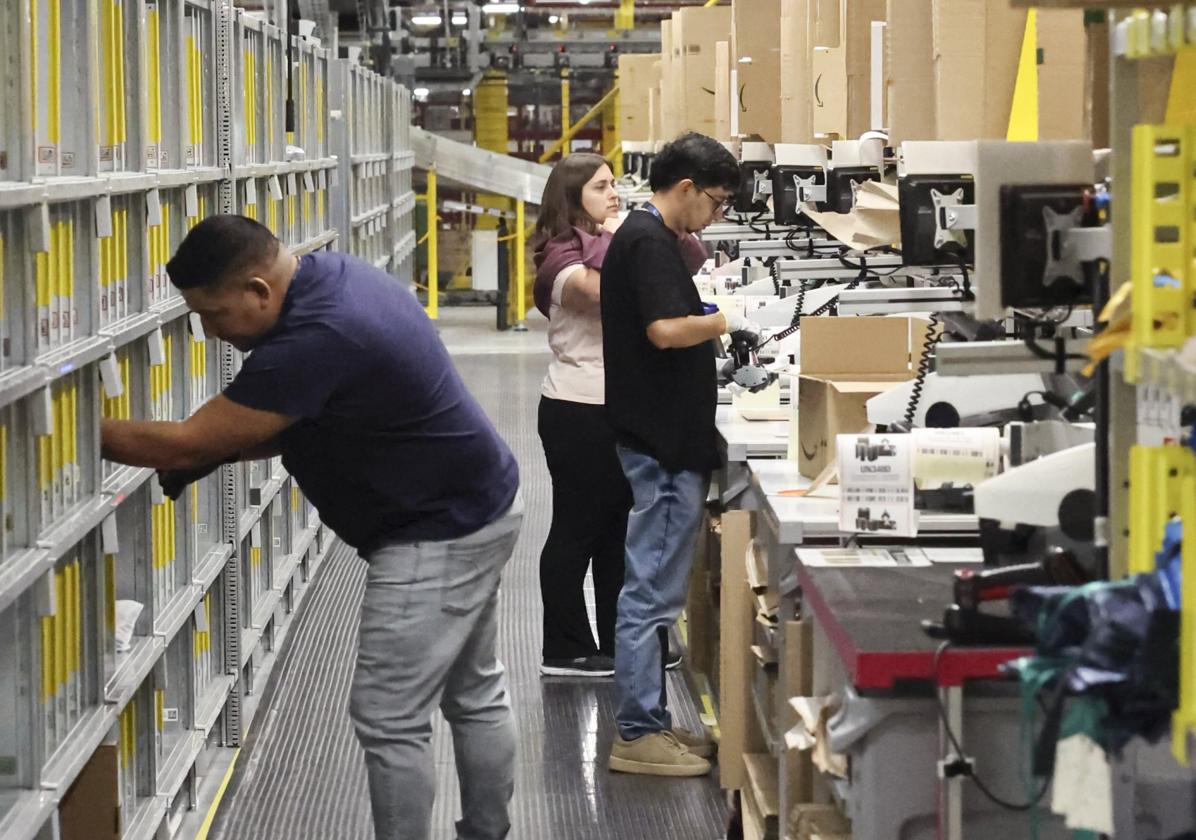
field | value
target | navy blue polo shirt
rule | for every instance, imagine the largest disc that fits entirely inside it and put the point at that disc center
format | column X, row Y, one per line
column 388, row 444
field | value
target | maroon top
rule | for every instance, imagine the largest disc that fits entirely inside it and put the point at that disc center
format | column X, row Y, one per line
column 577, row 247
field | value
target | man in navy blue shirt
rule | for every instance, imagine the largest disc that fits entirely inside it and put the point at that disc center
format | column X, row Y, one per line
column 348, row 381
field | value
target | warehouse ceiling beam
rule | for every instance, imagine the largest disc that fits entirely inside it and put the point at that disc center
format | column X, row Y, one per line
column 589, row 115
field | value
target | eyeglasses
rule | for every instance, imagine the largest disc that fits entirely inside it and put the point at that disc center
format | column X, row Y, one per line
column 721, row 205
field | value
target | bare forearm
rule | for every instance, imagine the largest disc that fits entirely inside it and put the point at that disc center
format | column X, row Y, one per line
column 676, row 333
column 162, row 446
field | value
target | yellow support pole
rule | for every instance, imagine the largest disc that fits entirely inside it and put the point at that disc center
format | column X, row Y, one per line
column 520, row 265
column 433, row 267
column 625, row 15
column 611, row 146
column 566, row 136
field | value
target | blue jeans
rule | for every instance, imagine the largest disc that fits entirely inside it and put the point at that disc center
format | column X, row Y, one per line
column 661, row 533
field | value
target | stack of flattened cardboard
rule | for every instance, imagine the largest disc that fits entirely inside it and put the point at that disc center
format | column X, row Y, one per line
column 756, row 59
column 690, row 78
column 639, row 74
column 845, row 362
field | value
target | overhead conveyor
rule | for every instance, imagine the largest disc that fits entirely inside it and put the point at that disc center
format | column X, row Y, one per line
column 479, row 169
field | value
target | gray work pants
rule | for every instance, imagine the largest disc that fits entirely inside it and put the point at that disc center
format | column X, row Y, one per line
column 427, row 640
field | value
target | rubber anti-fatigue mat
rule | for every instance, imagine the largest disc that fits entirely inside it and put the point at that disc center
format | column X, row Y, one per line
column 301, row 775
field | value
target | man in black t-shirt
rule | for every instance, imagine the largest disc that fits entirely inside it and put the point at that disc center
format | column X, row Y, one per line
column 661, row 392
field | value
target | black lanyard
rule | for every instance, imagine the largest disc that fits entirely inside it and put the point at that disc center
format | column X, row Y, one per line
column 651, row 209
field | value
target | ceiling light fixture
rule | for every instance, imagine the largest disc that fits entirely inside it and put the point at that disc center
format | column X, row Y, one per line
column 427, row 20
column 501, row 8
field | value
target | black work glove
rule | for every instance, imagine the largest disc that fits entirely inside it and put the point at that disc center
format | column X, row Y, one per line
column 174, row 482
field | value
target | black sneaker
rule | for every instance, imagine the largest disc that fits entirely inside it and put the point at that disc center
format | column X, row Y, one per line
column 583, row 666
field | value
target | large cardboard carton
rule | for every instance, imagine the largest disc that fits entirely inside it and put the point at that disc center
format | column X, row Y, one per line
column 740, row 732
column 722, row 91
column 695, row 32
column 797, row 680
column 796, row 112
column 638, row 75
column 909, row 84
column 1062, row 49
column 90, row 810
column 844, row 363
column 841, row 34
column 670, row 76
column 756, row 58
column 1096, row 84
column 977, row 45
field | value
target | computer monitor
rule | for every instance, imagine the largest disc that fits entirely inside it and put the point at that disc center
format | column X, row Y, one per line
column 1039, row 268
column 925, row 238
column 752, row 195
column 840, row 186
column 793, row 185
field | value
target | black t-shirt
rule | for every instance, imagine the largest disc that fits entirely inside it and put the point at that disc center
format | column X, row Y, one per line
column 660, row 402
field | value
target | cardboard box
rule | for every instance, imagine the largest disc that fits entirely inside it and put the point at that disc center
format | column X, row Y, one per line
column 700, row 608
column 796, row 680
column 638, row 74
column 90, row 810
column 909, row 84
column 669, row 84
column 1062, row 53
column 756, row 59
column 841, row 66
column 722, row 91
column 740, row 733
column 844, row 363
column 977, row 45
column 695, row 32
column 1096, row 84
column 796, row 113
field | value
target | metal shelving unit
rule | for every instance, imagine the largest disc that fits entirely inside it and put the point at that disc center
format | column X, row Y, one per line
column 134, row 120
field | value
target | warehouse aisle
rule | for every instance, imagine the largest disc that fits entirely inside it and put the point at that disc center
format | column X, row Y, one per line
column 300, row 774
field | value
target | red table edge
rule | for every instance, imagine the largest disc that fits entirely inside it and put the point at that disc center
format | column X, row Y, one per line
column 881, row 670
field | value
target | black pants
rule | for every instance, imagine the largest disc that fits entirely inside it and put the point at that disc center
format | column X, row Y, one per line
column 590, row 503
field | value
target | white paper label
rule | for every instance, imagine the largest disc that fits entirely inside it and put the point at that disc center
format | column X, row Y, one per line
column 43, row 413
column 275, row 187
column 308, row 183
column 153, row 208
column 39, row 228
column 103, row 217
column 322, row 179
column 114, row 386
column 292, row 184
column 876, row 485
column 157, row 347
column 109, row 539
column 191, row 201
column 251, row 191
column 197, row 330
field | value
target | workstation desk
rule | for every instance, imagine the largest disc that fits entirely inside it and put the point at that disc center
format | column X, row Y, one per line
column 867, row 647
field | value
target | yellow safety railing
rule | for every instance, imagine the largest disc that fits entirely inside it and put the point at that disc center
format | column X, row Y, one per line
column 433, row 256
column 589, row 115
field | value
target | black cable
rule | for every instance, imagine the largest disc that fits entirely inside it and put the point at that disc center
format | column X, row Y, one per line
column 932, row 339
column 970, row 771
column 289, row 118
